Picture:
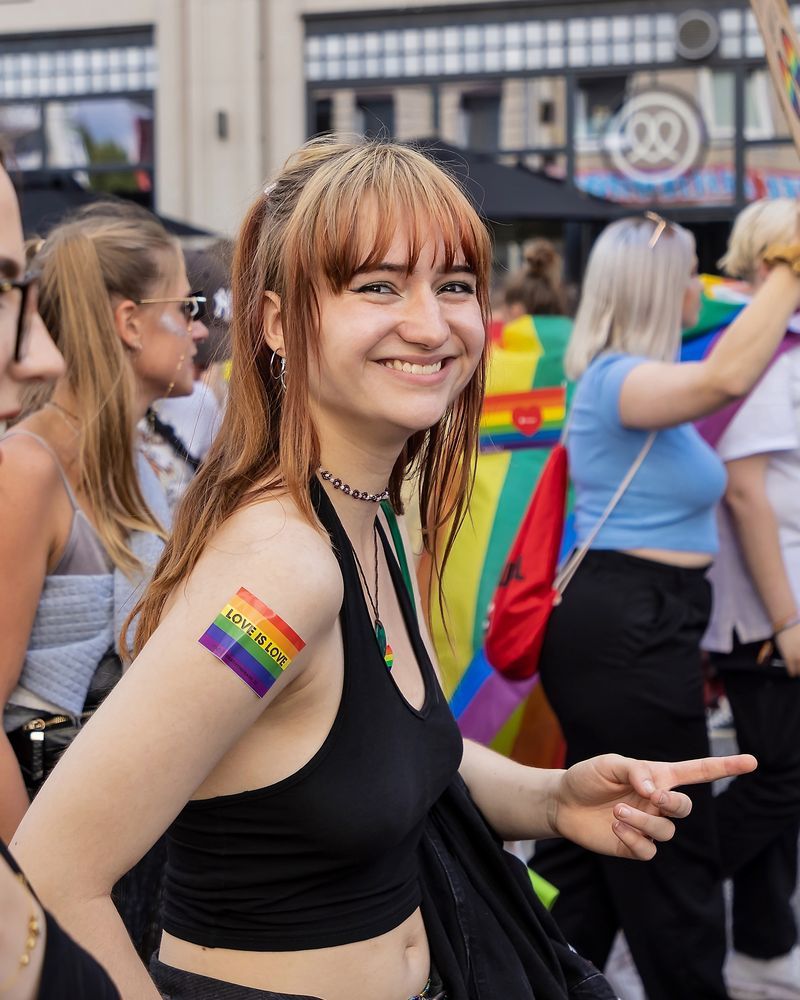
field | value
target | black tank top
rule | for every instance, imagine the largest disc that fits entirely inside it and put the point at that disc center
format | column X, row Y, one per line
column 326, row 856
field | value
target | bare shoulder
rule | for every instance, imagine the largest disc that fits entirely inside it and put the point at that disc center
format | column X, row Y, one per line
column 25, row 463
column 31, row 493
column 271, row 552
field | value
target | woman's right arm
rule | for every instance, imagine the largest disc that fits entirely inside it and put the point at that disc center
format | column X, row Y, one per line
column 29, row 483
column 174, row 715
column 662, row 394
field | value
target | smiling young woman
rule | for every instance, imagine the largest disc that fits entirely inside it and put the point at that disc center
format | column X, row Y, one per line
column 283, row 720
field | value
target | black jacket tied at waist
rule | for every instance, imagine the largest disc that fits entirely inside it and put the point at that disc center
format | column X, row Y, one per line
column 489, row 935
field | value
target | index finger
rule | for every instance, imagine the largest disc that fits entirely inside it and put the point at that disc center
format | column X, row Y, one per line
column 696, row 772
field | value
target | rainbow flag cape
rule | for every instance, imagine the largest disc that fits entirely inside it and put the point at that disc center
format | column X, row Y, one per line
column 523, row 416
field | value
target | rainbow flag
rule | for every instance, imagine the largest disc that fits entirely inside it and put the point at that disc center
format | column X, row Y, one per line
column 531, row 419
column 252, row 640
column 524, row 413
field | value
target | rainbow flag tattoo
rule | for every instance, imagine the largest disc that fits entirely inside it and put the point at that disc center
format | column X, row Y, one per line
column 252, row 640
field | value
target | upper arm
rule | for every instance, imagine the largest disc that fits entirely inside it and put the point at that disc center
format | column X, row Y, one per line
column 178, row 709
column 659, row 394
column 29, row 486
column 747, row 478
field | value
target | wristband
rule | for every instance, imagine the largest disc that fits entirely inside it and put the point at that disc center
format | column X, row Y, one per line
column 794, row 620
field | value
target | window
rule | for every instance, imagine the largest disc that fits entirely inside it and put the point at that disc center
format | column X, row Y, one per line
column 23, row 140
column 113, row 132
column 88, row 110
column 376, row 116
column 598, row 100
column 717, row 98
column 481, row 120
column 323, row 116
column 763, row 115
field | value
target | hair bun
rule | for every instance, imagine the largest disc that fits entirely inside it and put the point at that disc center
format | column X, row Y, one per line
column 540, row 257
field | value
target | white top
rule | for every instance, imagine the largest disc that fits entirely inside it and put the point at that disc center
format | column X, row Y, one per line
column 767, row 423
column 195, row 418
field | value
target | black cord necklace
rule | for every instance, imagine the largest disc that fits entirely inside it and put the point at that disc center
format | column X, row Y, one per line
column 380, row 632
column 170, row 435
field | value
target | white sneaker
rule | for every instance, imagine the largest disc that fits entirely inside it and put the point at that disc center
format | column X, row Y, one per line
column 763, row 978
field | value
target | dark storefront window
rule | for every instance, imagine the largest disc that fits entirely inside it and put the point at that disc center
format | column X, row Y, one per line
column 323, row 115
column 598, row 100
column 481, row 118
column 376, row 116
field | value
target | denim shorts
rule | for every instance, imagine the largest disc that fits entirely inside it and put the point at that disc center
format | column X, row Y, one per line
column 175, row 984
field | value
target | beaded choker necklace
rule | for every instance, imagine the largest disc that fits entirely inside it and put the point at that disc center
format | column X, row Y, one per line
column 337, row 484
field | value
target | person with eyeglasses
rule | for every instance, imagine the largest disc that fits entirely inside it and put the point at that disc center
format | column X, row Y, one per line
column 38, row 961
column 84, row 517
column 621, row 661
column 178, row 431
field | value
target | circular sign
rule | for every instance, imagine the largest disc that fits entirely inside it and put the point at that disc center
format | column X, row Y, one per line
column 656, row 137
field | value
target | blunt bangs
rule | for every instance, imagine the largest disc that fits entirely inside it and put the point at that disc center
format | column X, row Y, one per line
column 395, row 188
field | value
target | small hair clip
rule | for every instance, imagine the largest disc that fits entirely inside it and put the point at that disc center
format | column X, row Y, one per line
column 269, row 189
column 661, row 225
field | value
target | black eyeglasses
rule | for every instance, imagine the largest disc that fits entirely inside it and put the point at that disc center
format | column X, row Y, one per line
column 193, row 306
column 24, row 295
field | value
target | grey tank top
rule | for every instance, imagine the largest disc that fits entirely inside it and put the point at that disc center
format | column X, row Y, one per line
column 83, row 554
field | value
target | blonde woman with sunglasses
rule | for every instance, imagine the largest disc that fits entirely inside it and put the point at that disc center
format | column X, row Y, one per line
column 621, row 660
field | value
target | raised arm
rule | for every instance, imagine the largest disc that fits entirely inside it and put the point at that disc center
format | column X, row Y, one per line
column 174, row 716
column 662, row 394
column 29, row 492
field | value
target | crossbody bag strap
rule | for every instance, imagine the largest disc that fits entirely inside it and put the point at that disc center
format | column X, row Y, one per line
column 570, row 567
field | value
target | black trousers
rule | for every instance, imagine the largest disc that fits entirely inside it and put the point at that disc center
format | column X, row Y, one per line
column 759, row 814
column 621, row 668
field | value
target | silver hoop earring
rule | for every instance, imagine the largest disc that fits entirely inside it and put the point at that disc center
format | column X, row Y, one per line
column 281, row 376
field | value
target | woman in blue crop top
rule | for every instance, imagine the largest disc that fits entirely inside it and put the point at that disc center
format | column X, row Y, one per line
column 621, row 660
column 282, row 720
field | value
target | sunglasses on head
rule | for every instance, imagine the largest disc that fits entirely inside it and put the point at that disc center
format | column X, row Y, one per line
column 662, row 226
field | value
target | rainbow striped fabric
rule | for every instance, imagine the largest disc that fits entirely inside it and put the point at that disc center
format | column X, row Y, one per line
column 252, row 640
column 523, row 416
column 530, row 419
column 526, row 364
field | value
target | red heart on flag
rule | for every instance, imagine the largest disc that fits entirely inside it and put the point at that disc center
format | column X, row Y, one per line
column 527, row 419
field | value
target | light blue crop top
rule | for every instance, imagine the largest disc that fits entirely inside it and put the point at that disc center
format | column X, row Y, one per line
column 671, row 502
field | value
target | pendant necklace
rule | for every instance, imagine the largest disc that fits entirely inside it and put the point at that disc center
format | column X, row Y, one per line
column 380, row 632
column 63, row 410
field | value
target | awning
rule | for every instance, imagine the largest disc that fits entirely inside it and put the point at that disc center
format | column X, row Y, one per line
column 515, row 194
column 45, row 200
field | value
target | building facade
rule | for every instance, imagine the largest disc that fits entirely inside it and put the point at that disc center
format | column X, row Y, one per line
column 193, row 103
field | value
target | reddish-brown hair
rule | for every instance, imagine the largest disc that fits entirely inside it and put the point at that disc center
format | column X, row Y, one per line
column 333, row 210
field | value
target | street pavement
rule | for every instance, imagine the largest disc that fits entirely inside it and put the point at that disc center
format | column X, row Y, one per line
column 621, row 970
